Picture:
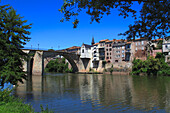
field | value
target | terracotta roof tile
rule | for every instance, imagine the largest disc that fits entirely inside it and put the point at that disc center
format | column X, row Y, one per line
column 109, row 41
column 96, row 44
column 128, row 42
column 157, row 39
column 73, row 47
column 103, row 40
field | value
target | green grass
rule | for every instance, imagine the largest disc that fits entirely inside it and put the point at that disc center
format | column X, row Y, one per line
column 15, row 107
column 11, row 104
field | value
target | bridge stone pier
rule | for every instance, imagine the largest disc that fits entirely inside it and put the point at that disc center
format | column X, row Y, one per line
column 38, row 60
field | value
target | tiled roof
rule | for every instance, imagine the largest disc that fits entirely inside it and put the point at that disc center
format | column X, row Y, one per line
column 103, row 40
column 109, row 41
column 73, row 47
column 96, row 44
column 140, row 39
column 157, row 39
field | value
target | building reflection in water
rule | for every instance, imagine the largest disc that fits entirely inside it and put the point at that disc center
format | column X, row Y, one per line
column 110, row 91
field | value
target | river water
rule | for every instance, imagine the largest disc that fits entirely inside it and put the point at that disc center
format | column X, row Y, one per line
column 70, row 93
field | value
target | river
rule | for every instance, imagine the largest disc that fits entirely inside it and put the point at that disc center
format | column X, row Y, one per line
column 70, row 93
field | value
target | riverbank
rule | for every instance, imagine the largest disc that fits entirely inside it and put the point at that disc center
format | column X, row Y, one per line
column 11, row 104
column 107, row 73
column 117, row 73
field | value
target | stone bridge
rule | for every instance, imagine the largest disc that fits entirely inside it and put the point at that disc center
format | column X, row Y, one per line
column 38, row 60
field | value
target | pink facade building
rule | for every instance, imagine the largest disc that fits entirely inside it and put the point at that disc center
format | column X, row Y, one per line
column 108, row 51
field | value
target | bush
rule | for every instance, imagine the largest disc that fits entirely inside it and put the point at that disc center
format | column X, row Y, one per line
column 111, row 69
column 151, row 66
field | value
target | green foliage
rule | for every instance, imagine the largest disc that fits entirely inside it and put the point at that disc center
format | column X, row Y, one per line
column 151, row 66
column 105, row 70
column 159, row 46
column 46, row 110
column 152, row 22
column 51, row 50
column 11, row 104
column 13, row 35
column 111, row 69
column 90, row 69
column 57, row 66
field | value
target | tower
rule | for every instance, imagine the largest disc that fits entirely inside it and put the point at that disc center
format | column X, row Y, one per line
column 92, row 41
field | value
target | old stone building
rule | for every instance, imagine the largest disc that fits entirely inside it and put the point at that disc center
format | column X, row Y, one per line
column 138, row 50
column 108, row 51
column 118, row 50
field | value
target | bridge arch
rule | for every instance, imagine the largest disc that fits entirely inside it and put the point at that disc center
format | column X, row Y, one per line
column 39, row 59
column 72, row 59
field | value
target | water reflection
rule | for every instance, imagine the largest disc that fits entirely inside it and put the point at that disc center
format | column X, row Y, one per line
column 97, row 93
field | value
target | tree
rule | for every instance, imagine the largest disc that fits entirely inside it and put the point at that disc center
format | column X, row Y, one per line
column 152, row 22
column 13, row 35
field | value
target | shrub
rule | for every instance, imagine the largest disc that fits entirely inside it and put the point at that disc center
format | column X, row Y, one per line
column 111, row 69
column 151, row 66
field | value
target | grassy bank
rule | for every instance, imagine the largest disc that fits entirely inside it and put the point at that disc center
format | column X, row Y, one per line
column 11, row 104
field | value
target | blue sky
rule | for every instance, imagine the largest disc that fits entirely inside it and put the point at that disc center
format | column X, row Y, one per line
column 49, row 32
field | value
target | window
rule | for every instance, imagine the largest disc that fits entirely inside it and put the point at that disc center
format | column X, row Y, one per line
column 117, row 56
column 142, row 48
column 110, row 53
column 107, row 53
column 142, row 42
column 139, row 43
column 122, row 51
column 106, row 49
column 123, row 55
column 136, row 43
column 123, row 47
column 110, row 49
column 110, row 57
column 82, row 50
column 116, row 60
column 136, row 49
column 166, row 46
column 110, row 45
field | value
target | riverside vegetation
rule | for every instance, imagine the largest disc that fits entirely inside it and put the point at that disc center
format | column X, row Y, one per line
column 57, row 65
column 11, row 104
column 151, row 67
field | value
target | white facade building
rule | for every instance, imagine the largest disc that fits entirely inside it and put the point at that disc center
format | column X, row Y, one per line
column 95, row 56
column 85, row 51
column 166, row 49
